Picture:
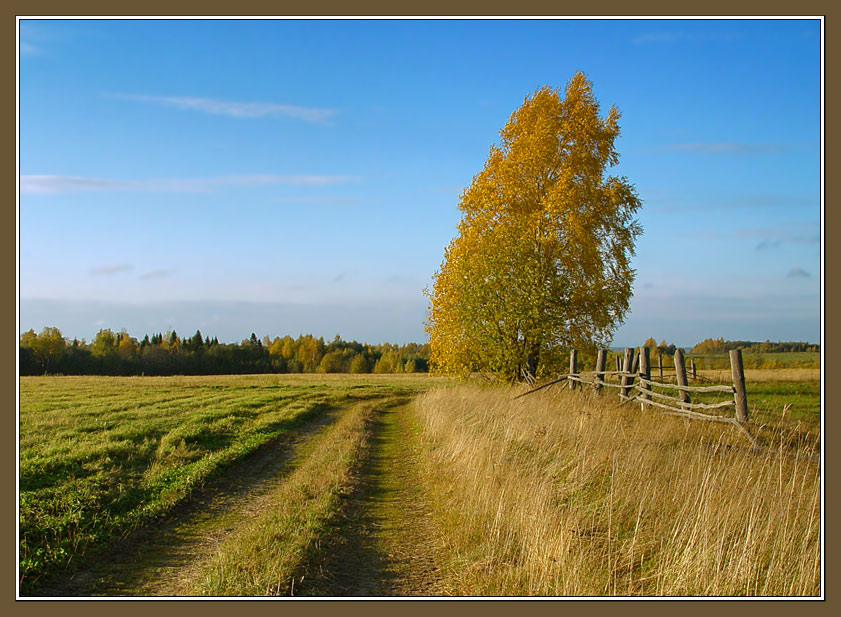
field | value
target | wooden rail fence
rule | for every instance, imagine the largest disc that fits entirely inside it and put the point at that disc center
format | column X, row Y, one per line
column 635, row 383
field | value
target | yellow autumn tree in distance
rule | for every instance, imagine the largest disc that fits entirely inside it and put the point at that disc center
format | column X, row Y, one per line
column 541, row 262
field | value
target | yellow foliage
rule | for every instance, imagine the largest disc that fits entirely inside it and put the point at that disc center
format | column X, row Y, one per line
column 541, row 262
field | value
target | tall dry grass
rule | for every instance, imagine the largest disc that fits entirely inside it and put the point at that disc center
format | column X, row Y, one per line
column 574, row 495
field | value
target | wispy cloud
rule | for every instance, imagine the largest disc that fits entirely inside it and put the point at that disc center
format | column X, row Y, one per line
column 765, row 245
column 156, row 274
column 798, row 272
column 110, row 269
column 726, row 147
column 776, row 237
column 48, row 184
column 236, row 109
column 43, row 184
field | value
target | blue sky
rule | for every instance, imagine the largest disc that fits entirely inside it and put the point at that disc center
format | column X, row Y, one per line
column 287, row 176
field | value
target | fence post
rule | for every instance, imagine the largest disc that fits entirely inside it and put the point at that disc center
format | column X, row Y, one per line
column 618, row 365
column 694, row 372
column 680, row 369
column 573, row 368
column 626, row 368
column 741, row 395
column 660, row 364
column 600, row 360
column 645, row 371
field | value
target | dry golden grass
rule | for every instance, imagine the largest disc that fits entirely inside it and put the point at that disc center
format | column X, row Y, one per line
column 573, row 495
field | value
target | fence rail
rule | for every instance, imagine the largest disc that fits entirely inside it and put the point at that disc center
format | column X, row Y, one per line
column 721, row 388
column 636, row 367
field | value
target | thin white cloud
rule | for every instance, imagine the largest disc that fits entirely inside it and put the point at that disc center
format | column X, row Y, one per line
column 44, row 184
column 236, row 109
column 111, row 269
column 50, row 185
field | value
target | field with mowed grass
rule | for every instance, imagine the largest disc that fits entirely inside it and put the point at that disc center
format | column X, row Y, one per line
column 100, row 456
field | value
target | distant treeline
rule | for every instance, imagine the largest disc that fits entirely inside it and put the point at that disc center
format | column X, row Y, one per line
column 719, row 346
column 118, row 353
column 713, row 354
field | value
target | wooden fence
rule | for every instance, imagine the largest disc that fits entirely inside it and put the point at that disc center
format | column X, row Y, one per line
column 634, row 383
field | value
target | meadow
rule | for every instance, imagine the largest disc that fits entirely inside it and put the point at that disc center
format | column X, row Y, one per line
column 752, row 360
column 558, row 493
column 100, row 456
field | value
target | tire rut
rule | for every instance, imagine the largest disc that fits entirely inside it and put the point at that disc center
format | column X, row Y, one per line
column 160, row 559
column 383, row 541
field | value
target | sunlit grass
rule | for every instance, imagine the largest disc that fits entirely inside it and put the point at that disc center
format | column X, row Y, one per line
column 572, row 494
column 101, row 455
column 264, row 556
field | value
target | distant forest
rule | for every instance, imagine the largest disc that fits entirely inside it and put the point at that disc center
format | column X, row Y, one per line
column 719, row 345
column 118, row 353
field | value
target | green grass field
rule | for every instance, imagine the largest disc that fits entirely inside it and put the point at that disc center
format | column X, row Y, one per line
column 101, row 455
column 781, row 401
column 793, row 359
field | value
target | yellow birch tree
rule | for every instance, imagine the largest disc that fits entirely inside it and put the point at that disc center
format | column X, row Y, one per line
column 541, row 262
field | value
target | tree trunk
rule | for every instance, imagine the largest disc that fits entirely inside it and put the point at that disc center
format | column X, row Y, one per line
column 532, row 361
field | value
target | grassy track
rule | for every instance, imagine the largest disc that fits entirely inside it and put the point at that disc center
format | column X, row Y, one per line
column 266, row 554
column 101, row 456
column 384, row 541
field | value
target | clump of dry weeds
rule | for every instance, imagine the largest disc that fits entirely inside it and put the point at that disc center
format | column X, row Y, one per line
column 574, row 495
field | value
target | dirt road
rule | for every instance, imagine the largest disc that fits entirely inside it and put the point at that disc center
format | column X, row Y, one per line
column 383, row 543
column 379, row 543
